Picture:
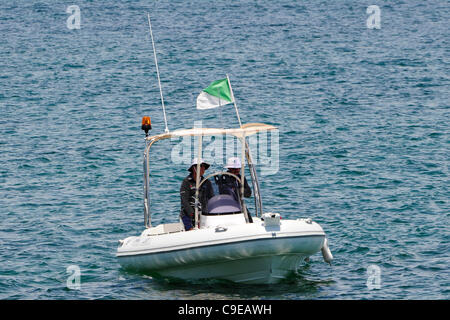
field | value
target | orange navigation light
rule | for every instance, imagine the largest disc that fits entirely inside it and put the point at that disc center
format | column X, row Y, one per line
column 146, row 125
column 146, row 120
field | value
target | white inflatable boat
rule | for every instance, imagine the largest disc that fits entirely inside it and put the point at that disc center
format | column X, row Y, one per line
column 226, row 242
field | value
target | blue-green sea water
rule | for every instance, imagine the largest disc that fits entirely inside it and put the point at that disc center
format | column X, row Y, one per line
column 363, row 118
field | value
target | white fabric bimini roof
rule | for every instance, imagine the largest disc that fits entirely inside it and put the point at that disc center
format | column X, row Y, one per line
column 246, row 130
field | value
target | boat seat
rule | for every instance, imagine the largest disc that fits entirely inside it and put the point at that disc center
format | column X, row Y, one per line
column 173, row 227
column 165, row 228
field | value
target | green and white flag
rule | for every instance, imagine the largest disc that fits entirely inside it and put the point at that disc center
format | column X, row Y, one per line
column 217, row 94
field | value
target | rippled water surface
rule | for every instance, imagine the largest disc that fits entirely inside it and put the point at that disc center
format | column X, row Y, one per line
column 363, row 117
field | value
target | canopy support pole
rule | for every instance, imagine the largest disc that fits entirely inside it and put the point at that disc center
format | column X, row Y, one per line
column 147, row 216
column 244, row 208
column 197, row 180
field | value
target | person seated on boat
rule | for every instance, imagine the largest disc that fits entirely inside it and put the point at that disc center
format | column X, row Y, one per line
column 229, row 185
column 187, row 194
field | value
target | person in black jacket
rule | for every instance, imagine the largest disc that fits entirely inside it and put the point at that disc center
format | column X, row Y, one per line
column 229, row 185
column 187, row 194
column 234, row 166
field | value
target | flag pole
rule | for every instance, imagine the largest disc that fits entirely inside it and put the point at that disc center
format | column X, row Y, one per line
column 234, row 101
column 157, row 72
column 220, row 108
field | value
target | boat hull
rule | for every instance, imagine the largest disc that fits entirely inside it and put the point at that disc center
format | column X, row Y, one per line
column 250, row 253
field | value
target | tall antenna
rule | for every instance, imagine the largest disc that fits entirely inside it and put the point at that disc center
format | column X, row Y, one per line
column 157, row 72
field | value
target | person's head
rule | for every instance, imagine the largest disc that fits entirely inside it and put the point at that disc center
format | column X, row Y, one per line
column 234, row 165
column 203, row 166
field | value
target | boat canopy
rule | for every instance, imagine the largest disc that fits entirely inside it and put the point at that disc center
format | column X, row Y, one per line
column 246, row 130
